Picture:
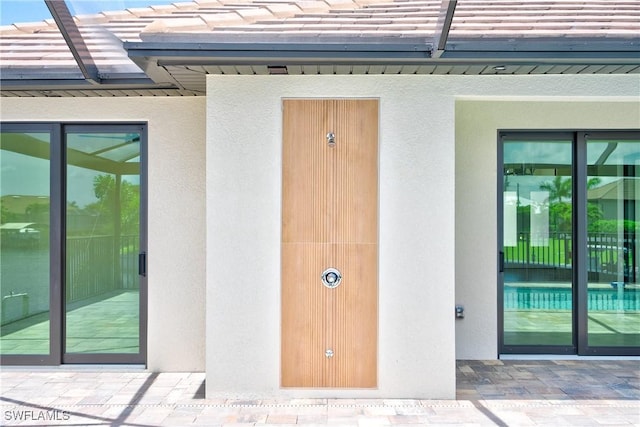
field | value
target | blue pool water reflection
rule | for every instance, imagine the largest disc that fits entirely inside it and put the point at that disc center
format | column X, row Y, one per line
column 550, row 298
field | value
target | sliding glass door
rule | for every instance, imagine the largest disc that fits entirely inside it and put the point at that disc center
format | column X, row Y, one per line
column 25, row 249
column 567, row 243
column 73, row 283
column 537, row 242
column 102, row 211
column 613, row 223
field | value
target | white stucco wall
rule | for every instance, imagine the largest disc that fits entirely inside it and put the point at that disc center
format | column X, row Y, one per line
column 176, row 239
column 437, row 219
column 416, row 269
column 437, row 214
column 477, row 125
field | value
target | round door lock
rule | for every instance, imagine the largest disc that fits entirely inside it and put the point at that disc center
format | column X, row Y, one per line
column 331, row 278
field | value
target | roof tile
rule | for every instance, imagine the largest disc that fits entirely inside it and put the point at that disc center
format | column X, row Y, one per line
column 164, row 8
column 29, row 27
column 340, row 4
column 282, row 10
column 42, row 44
column 184, row 24
column 207, row 3
column 184, row 4
column 221, row 20
column 312, row 6
column 255, row 13
column 118, row 14
column 140, row 11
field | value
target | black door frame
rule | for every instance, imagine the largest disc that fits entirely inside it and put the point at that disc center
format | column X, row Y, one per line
column 57, row 246
column 579, row 227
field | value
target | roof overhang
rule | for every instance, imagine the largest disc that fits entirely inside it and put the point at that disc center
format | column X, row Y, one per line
column 247, row 50
column 185, row 59
column 187, row 49
column 591, row 50
column 171, row 51
column 85, row 87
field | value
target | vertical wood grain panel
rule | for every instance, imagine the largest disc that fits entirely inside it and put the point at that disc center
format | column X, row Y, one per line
column 330, row 194
column 329, row 219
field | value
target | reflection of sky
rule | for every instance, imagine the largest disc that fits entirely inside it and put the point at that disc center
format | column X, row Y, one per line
column 558, row 153
column 23, row 175
column 625, row 153
column 29, row 176
column 35, row 10
column 552, row 152
column 534, row 153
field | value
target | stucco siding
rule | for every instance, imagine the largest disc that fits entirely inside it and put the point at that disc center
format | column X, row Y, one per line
column 215, row 214
column 416, row 173
column 176, row 227
column 437, row 218
column 477, row 125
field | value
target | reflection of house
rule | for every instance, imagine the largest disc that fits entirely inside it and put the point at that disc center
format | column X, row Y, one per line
column 616, row 197
column 208, row 80
column 25, row 208
column 20, row 233
column 80, row 221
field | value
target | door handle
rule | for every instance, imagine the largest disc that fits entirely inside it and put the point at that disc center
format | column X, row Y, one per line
column 142, row 264
column 501, row 262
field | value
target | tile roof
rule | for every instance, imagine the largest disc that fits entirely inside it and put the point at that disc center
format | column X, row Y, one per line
column 38, row 51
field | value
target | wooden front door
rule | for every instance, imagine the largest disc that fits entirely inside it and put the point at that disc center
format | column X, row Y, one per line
column 330, row 220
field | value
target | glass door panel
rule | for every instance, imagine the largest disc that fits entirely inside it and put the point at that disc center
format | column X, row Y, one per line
column 24, row 243
column 613, row 222
column 537, row 243
column 102, row 292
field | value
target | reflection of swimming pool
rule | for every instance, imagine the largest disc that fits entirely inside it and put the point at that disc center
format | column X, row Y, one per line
column 544, row 298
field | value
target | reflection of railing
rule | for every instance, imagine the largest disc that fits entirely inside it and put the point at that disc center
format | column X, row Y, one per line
column 100, row 264
column 556, row 253
column 610, row 255
column 613, row 254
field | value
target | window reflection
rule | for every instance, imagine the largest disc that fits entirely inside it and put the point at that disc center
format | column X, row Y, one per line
column 613, row 225
column 24, row 243
column 103, row 222
column 537, row 243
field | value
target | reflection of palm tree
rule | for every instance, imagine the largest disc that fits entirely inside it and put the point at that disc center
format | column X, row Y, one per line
column 561, row 188
column 558, row 188
column 593, row 182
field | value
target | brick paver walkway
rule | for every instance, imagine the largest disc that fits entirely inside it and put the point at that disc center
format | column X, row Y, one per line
column 503, row 393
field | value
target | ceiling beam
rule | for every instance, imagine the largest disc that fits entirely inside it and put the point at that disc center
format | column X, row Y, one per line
column 445, row 17
column 73, row 38
column 39, row 84
column 32, row 147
